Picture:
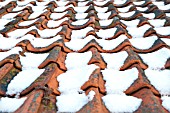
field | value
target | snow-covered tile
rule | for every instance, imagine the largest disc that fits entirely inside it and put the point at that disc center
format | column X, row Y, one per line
column 139, row 2
column 7, row 43
column 105, row 22
column 165, row 102
column 137, row 32
column 62, row 3
column 121, row 103
column 10, row 104
column 3, row 22
column 76, row 60
column 71, row 102
column 124, row 9
column 57, row 15
column 165, row 7
column 36, row 14
column 143, row 43
column 132, row 23
column 32, row 60
column 81, row 4
column 100, row 3
column 166, row 40
column 14, row 50
column 53, row 23
column 157, row 59
column 28, row 22
column 71, row 81
column 80, row 33
column 158, row 3
column 157, row 22
column 119, row 81
column 149, row 15
column 81, row 16
column 104, row 16
column 23, row 80
column 128, row 14
column 160, row 80
column 167, row 14
column 34, row 8
column 142, row 8
column 81, row 9
column 80, row 22
column 101, row 9
column 110, row 33
column 163, row 30
column 23, row 3
column 119, row 2
column 4, row 3
column 114, row 60
column 10, row 16
column 63, row 8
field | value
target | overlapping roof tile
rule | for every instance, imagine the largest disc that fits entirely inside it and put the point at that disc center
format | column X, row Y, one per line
column 84, row 56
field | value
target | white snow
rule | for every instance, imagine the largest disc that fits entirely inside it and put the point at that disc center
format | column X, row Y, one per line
column 53, row 23
column 36, row 14
column 81, row 9
column 23, row 3
column 105, row 22
column 4, row 3
column 128, row 14
column 100, row 3
column 10, row 104
column 91, row 95
column 32, row 60
column 14, row 50
column 81, row 16
column 57, row 15
column 156, row 60
column 28, row 22
column 163, row 30
column 80, row 22
column 149, row 16
column 63, row 8
column 121, row 103
column 165, row 102
column 71, row 102
column 34, row 8
column 7, row 43
column 165, row 7
column 143, row 43
column 80, row 33
column 10, row 16
column 81, row 4
column 142, row 8
column 71, row 81
column 157, row 22
column 138, row 31
column 158, row 3
column 77, row 44
column 167, row 14
column 49, row 32
column 101, row 9
column 104, row 16
column 119, row 2
column 119, row 81
column 160, row 80
column 61, row 3
column 124, row 9
column 3, row 22
column 139, row 3
column 166, row 40
column 23, row 80
column 132, row 23
column 106, row 33
column 115, row 60
column 77, row 60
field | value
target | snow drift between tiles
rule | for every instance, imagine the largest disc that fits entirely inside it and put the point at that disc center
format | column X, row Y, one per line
column 72, row 98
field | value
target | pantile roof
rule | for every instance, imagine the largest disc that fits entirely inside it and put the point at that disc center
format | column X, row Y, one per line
column 84, row 56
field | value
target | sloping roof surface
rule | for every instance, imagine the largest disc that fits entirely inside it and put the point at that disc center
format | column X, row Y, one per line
column 84, row 56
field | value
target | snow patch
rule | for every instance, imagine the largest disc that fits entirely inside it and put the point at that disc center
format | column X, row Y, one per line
column 52, row 23
column 27, row 23
column 100, row 9
column 139, row 2
column 160, row 80
column 157, row 22
column 163, row 30
column 105, row 22
column 115, row 60
column 156, row 60
column 119, row 81
column 121, row 103
column 81, row 16
column 149, row 16
column 166, row 40
column 55, row 16
column 132, row 23
column 128, row 14
column 80, row 33
column 10, row 104
column 80, row 22
column 124, row 9
column 106, row 33
column 104, row 16
column 165, row 102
